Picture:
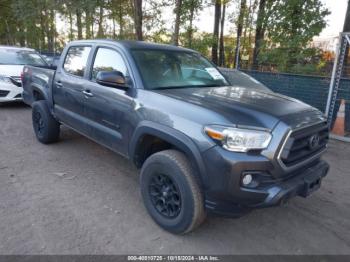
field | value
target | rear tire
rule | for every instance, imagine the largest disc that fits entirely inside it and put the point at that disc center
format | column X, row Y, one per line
column 171, row 193
column 46, row 127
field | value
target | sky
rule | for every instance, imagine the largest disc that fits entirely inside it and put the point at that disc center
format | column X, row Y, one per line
column 335, row 20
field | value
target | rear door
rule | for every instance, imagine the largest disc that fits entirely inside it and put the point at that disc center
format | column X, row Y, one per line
column 106, row 107
column 68, row 87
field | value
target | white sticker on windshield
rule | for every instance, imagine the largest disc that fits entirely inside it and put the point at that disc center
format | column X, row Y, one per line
column 214, row 73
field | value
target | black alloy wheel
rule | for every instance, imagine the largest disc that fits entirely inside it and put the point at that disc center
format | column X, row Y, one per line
column 165, row 195
column 38, row 122
column 171, row 192
column 46, row 127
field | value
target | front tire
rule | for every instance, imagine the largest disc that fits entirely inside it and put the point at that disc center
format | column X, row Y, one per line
column 46, row 127
column 171, row 193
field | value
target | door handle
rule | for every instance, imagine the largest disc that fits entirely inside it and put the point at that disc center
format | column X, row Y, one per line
column 88, row 93
column 58, row 84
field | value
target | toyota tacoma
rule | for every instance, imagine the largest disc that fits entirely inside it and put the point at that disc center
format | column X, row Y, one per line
column 203, row 144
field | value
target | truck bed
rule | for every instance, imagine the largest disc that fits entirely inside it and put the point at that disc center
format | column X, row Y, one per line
column 37, row 81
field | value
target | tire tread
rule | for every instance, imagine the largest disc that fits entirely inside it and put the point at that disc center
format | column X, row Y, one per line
column 53, row 126
column 182, row 162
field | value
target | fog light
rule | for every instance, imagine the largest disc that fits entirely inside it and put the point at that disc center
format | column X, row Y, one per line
column 247, row 179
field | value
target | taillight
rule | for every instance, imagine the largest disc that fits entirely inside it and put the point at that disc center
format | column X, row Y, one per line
column 26, row 71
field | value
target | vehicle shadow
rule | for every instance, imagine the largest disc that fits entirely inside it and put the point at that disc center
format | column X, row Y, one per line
column 14, row 105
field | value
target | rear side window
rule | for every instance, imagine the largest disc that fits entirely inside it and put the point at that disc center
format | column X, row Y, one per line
column 76, row 60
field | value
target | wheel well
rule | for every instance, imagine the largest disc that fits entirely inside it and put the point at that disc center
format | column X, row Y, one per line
column 148, row 145
column 38, row 95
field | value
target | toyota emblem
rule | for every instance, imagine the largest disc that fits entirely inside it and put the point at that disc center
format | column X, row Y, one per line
column 314, row 141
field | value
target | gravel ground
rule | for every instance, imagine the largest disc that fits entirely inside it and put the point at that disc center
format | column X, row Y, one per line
column 76, row 197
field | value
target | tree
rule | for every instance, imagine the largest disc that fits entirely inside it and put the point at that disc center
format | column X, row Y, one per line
column 138, row 19
column 283, row 29
column 100, row 32
column 221, row 42
column 119, row 12
column 177, row 22
column 89, row 7
column 217, row 16
column 28, row 23
column 189, row 11
column 248, row 26
column 260, row 30
column 242, row 11
column 292, row 25
column 51, row 29
column 7, row 22
column 193, row 6
column 79, row 24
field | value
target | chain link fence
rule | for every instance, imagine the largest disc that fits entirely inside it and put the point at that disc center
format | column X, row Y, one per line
column 312, row 90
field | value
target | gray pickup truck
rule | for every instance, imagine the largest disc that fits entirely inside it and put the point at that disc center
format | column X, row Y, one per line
column 202, row 144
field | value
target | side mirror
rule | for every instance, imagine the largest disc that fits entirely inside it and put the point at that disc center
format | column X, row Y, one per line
column 111, row 78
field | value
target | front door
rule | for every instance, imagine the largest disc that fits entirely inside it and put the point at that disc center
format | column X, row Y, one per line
column 106, row 107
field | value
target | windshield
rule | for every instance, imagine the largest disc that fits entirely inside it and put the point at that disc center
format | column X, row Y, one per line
column 163, row 69
column 10, row 56
column 238, row 78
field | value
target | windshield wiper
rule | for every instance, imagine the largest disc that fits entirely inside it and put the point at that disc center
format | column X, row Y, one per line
column 189, row 86
column 169, row 87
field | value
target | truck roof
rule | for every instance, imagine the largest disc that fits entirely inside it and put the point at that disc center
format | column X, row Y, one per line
column 133, row 44
column 16, row 48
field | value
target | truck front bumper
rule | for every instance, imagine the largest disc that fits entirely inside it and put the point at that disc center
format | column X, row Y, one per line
column 225, row 194
column 303, row 184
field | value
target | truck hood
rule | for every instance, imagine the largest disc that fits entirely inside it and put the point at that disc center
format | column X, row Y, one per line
column 246, row 106
column 11, row 70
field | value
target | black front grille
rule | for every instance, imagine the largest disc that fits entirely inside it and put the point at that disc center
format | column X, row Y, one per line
column 304, row 143
column 16, row 80
column 4, row 93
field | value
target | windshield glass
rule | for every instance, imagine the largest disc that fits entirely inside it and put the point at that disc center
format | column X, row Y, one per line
column 20, row 57
column 163, row 69
column 238, row 78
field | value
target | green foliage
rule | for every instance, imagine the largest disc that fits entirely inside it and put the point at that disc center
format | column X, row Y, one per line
column 152, row 18
column 33, row 23
column 287, row 27
column 291, row 26
column 27, row 22
column 189, row 11
column 309, row 60
column 201, row 42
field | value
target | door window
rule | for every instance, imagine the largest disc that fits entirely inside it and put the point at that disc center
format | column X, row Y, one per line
column 76, row 60
column 108, row 60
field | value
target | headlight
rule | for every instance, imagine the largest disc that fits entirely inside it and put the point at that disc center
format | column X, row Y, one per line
column 5, row 79
column 239, row 139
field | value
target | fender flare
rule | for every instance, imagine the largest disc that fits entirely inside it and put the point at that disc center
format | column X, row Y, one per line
column 38, row 89
column 174, row 137
column 45, row 95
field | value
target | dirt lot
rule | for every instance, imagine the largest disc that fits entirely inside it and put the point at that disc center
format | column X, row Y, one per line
column 76, row 197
